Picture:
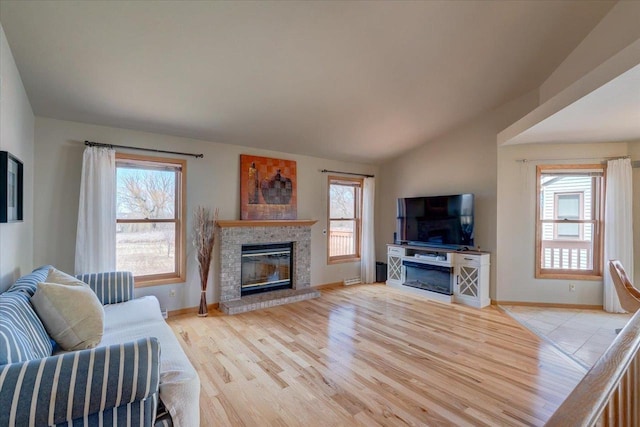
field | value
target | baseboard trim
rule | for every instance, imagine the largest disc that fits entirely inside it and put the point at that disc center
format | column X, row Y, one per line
column 214, row 306
column 190, row 310
column 547, row 304
column 334, row 285
column 328, row 286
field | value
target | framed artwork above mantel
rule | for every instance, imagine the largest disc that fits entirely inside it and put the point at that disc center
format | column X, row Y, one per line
column 11, row 188
column 268, row 188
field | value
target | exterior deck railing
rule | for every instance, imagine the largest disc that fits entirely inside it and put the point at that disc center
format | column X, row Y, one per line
column 609, row 395
column 341, row 243
column 566, row 254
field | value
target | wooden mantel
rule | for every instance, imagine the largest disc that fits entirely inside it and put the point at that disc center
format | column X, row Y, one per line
column 266, row 223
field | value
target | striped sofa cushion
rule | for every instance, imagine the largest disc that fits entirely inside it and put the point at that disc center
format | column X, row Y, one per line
column 29, row 282
column 115, row 385
column 22, row 336
column 138, row 414
column 112, row 287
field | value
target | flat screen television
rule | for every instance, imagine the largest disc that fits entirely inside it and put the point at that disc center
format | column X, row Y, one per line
column 443, row 221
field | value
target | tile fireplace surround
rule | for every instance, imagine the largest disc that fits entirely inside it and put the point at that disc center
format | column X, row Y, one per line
column 233, row 234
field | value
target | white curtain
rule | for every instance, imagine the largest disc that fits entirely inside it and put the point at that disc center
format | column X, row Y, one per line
column 96, row 234
column 368, row 251
column 618, row 226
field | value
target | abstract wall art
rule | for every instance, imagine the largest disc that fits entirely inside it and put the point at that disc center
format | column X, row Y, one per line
column 267, row 188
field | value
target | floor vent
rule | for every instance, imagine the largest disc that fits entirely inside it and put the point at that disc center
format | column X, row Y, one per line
column 352, row 281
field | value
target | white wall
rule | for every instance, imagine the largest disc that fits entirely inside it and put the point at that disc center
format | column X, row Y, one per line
column 516, row 221
column 617, row 30
column 462, row 161
column 213, row 181
column 16, row 137
column 610, row 48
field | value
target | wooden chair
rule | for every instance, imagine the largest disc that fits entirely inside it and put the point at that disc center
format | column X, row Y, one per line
column 628, row 295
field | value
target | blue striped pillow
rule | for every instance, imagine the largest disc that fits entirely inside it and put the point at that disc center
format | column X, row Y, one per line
column 22, row 336
column 110, row 287
column 28, row 283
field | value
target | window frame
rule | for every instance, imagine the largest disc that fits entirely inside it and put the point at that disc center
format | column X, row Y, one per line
column 358, row 184
column 597, row 207
column 179, row 273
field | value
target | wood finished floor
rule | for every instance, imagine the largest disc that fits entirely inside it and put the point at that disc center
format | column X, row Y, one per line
column 371, row 355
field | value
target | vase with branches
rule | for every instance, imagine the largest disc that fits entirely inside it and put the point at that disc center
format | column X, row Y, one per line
column 204, row 223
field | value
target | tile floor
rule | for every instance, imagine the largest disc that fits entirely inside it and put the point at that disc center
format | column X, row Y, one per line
column 582, row 334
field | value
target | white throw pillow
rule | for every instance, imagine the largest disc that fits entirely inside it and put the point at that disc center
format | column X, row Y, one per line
column 62, row 278
column 72, row 315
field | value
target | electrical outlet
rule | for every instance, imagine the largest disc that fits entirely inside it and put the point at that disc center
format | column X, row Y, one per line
column 572, row 287
column 172, row 293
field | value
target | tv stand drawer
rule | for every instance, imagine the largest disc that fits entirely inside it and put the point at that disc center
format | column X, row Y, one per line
column 395, row 250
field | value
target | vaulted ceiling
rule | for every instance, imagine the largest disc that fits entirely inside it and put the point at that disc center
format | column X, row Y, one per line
column 359, row 81
column 610, row 113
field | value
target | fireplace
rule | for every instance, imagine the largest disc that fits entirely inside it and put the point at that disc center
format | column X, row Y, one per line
column 266, row 267
column 434, row 278
column 254, row 237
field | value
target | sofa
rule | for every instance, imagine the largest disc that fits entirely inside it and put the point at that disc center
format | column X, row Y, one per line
column 137, row 374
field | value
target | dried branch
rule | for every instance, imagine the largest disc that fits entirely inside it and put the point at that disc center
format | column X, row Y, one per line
column 203, row 240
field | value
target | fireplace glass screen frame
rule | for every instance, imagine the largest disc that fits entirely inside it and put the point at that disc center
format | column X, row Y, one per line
column 266, row 267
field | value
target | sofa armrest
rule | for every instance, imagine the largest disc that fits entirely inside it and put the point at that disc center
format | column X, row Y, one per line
column 74, row 385
column 112, row 287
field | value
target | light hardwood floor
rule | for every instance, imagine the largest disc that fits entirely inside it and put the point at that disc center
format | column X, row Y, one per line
column 371, row 355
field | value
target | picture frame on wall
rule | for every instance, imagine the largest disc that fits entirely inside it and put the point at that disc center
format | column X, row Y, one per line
column 11, row 188
column 268, row 188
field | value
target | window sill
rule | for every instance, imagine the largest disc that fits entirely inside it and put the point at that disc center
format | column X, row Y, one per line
column 569, row 276
column 146, row 281
column 343, row 260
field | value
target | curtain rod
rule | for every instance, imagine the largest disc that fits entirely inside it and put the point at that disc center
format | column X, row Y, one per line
column 348, row 173
column 98, row 144
column 574, row 159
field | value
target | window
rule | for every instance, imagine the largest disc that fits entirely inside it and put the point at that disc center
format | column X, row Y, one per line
column 345, row 206
column 569, row 206
column 150, row 218
column 569, row 221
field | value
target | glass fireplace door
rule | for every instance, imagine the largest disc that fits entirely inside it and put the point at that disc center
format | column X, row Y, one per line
column 266, row 267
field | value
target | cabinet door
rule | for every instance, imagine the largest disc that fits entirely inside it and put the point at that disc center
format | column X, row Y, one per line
column 394, row 265
column 468, row 279
column 394, row 268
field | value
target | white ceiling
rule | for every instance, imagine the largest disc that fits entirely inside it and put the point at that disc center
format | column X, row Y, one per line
column 610, row 113
column 359, row 81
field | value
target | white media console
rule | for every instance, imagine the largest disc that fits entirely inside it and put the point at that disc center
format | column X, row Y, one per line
column 441, row 274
